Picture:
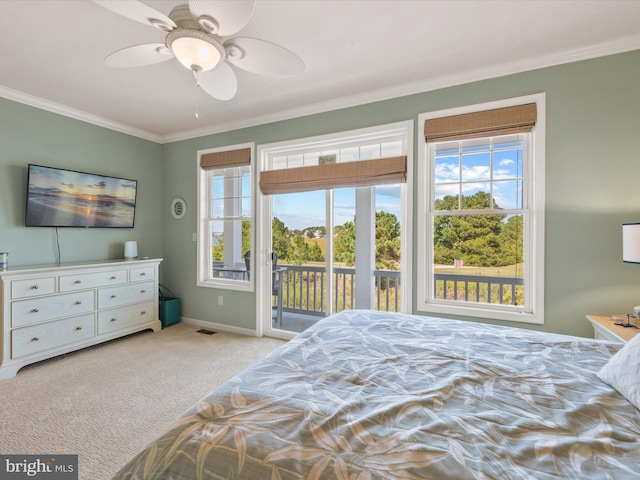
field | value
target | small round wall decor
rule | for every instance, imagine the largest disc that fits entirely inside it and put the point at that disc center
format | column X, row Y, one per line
column 178, row 208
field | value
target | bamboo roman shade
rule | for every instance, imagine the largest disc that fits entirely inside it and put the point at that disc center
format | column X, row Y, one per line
column 337, row 175
column 501, row 121
column 228, row 159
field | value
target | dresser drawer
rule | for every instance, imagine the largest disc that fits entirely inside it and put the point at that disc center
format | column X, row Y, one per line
column 123, row 317
column 115, row 296
column 83, row 281
column 32, row 287
column 41, row 309
column 38, row 338
column 141, row 274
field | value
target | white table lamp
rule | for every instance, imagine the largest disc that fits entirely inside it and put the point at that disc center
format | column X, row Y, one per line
column 630, row 254
column 130, row 249
column 631, row 242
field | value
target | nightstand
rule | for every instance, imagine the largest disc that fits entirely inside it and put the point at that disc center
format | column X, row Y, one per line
column 604, row 329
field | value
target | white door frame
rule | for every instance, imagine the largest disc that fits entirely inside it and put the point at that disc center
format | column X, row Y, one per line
column 262, row 245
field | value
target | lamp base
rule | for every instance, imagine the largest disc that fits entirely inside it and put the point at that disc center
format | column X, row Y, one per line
column 626, row 325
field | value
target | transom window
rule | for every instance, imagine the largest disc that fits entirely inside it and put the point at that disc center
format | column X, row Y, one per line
column 348, row 150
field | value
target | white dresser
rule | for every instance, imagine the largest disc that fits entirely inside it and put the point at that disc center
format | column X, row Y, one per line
column 51, row 310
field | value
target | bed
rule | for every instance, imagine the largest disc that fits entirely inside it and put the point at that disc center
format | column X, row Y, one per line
column 372, row 395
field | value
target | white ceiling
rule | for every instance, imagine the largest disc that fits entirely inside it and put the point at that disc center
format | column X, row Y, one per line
column 356, row 51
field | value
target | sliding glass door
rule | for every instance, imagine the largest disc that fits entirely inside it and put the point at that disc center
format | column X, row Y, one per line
column 333, row 226
column 334, row 250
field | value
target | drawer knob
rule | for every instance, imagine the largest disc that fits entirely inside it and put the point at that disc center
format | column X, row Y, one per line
column 143, row 291
column 78, row 281
column 113, row 296
column 35, row 339
column 34, row 287
column 35, row 310
column 143, row 312
column 143, row 274
column 78, row 328
column 112, row 278
column 114, row 319
column 78, row 302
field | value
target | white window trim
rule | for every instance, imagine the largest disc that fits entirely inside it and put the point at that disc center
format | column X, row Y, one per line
column 204, row 254
column 534, row 202
column 263, row 231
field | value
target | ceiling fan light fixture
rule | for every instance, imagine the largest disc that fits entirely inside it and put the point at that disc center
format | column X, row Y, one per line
column 197, row 51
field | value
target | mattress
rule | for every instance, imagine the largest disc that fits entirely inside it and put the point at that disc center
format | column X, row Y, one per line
column 373, row 395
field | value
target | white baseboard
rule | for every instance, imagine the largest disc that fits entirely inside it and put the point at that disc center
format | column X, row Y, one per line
column 219, row 327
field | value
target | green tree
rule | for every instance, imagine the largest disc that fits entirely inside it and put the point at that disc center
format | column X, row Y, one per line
column 344, row 243
column 280, row 238
column 217, row 251
column 475, row 239
column 315, row 253
column 387, row 241
column 511, row 240
column 246, row 236
column 300, row 250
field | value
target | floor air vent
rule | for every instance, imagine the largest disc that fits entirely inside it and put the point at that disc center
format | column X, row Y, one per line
column 206, row 332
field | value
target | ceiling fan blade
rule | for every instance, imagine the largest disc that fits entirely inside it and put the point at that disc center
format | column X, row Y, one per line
column 228, row 16
column 265, row 58
column 139, row 12
column 220, row 83
column 139, row 55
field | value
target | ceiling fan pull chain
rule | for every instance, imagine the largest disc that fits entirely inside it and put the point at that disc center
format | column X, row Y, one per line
column 195, row 75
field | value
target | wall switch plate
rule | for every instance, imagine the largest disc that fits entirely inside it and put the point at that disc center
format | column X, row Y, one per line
column 220, row 301
column 194, row 237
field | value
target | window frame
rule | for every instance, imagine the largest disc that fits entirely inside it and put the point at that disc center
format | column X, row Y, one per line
column 274, row 156
column 203, row 234
column 533, row 205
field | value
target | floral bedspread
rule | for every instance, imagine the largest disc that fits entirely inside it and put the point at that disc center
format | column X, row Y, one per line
column 370, row 395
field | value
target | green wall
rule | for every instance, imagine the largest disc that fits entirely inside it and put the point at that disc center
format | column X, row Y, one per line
column 30, row 135
column 592, row 167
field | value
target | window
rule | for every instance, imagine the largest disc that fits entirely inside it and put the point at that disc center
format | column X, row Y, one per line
column 225, row 206
column 481, row 201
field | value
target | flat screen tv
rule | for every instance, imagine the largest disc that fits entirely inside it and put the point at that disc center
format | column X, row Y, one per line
column 66, row 198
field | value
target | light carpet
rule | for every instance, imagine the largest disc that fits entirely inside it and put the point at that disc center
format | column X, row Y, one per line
column 105, row 403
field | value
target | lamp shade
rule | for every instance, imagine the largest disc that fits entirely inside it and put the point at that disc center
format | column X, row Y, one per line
column 196, row 53
column 631, row 242
column 130, row 249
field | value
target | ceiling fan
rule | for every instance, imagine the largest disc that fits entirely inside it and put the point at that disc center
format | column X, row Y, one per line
column 195, row 36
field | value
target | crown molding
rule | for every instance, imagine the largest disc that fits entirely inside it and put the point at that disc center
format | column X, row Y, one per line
column 60, row 109
column 622, row 45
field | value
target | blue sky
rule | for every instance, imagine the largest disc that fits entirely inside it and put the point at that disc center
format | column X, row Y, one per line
column 308, row 209
column 477, row 168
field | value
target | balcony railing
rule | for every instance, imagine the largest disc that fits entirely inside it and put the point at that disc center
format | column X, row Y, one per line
column 304, row 289
column 477, row 288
